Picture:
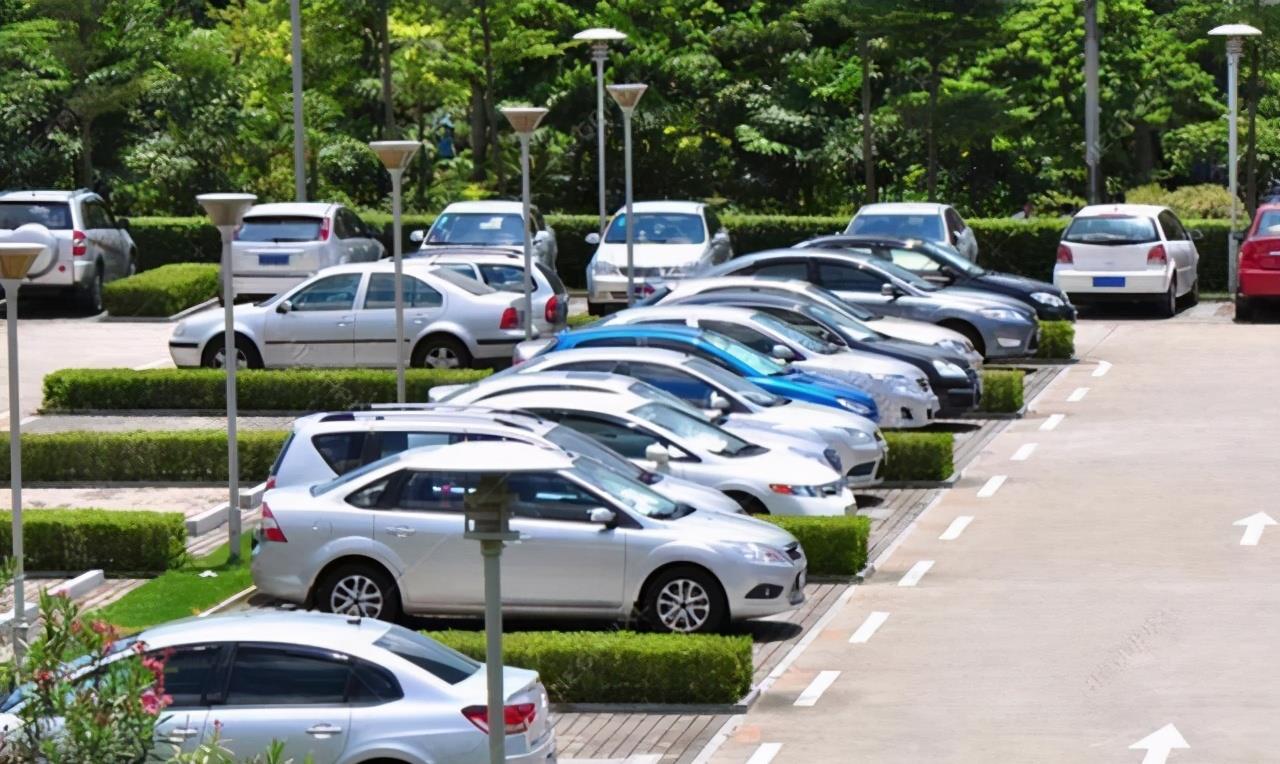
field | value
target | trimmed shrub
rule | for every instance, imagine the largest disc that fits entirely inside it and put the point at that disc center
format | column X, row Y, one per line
column 1205, row 200
column 919, row 456
column 1057, row 340
column 257, row 389
column 835, row 546
column 118, row 542
column 579, row 320
column 174, row 240
column 152, row 456
column 623, row 666
column 1001, row 391
column 162, row 291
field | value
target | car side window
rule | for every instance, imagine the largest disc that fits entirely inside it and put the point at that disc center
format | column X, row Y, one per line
column 553, row 280
column 434, row 492
column 390, row 443
column 839, row 277
column 954, row 222
column 337, row 292
column 355, row 225
column 539, row 223
column 342, row 451
column 371, row 495
column 805, row 324
column 95, row 216
column 1173, row 230
column 273, row 676
column 372, row 684
column 340, row 228
column 913, row 261
column 547, row 496
column 679, row 383
column 462, row 269
column 788, row 269
column 626, row 441
column 186, row 673
column 417, row 294
column 757, row 341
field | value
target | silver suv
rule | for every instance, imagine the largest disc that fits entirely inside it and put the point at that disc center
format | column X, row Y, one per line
column 86, row 246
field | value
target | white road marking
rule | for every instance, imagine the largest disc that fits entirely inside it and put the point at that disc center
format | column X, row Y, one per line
column 28, row 421
column 819, row 685
column 916, row 573
column 1052, row 422
column 1159, row 743
column 1103, row 368
column 1078, row 394
column 1253, row 525
column 991, row 486
column 868, row 627
column 765, row 753
column 152, row 365
column 957, row 527
column 1023, row 453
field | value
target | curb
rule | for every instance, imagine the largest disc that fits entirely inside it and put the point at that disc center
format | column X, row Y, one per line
column 948, row 483
column 234, row 599
column 74, row 589
column 159, row 319
column 218, row 515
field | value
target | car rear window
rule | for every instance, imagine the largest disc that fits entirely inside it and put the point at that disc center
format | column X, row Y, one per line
column 442, row 662
column 1268, row 223
column 899, row 226
column 1111, row 230
column 462, row 282
column 342, row 451
column 53, row 215
column 280, row 228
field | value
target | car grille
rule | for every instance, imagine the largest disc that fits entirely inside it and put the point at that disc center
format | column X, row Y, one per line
column 793, row 550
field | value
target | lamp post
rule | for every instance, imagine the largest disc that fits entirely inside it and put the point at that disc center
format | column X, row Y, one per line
column 299, row 137
column 627, row 96
column 524, row 120
column 1235, row 34
column 226, row 211
column 600, row 39
column 395, row 156
column 15, row 260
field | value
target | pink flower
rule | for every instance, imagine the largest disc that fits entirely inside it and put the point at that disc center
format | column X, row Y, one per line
column 152, row 703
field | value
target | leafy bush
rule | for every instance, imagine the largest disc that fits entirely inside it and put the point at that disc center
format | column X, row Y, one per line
column 256, row 389
column 119, row 542
column 919, row 456
column 1002, row 390
column 1206, row 200
column 1057, row 340
column 835, row 546
column 623, row 666
column 162, row 291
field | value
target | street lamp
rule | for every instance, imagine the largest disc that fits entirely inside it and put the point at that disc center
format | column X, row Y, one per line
column 226, row 211
column 600, row 39
column 524, row 120
column 15, row 260
column 627, row 97
column 1235, row 34
column 395, row 156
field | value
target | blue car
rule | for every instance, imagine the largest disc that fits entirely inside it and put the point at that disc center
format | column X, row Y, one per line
column 726, row 353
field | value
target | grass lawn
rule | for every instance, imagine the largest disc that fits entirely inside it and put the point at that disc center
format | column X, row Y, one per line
column 182, row 592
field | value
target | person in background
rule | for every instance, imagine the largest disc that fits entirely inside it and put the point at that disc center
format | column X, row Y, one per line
column 1026, row 213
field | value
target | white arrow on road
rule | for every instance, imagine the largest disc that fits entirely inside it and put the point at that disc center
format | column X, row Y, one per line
column 1159, row 743
column 1253, row 525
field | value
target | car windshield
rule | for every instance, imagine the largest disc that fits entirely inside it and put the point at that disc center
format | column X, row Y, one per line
column 658, row 228
column 442, row 662
column 727, row 380
column 792, row 334
column 949, row 256
column 758, row 364
column 1111, row 230
column 352, row 476
column 848, row 325
column 54, row 215
column 1268, row 223
column 898, row 225
column 492, row 228
column 571, row 440
column 280, row 228
column 635, row 495
column 692, row 429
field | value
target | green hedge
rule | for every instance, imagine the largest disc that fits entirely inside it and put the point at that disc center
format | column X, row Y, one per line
column 119, row 542
column 1057, row 340
column 919, row 456
column 834, row 546
column 162, row 241
column 623, row 666
column 153, row 456
column 1001, row 391
column 162, row 291
column 256, row 390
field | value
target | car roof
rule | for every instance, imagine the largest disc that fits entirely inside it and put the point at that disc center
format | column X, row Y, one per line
column 843, row 240
column 1137, row 210
column 303, row 209
column 600, row 380
column 665, row 205
column 751, row 296
column 502, row 206
column 604, row 403
column 686, row 310
column 42, row 195
column 673, row 357
column 316, row 629
column 486, row 456
column 468, row 253
column 902, row 208
column 446, row 415
column 781, row 252
column 636, row 330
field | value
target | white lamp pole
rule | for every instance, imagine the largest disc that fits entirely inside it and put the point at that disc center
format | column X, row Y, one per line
column 226, row 211
column 627, row 96
column 524, row 120
column 395, row 156
column 600, row 39
column 1235, row 34
column 15, row 260
column 299, row 136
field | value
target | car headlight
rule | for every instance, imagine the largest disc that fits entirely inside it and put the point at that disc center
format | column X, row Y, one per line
column 954, row 346
column 604, row 268
column 858, row 436
column 1001, row 314
column 1044, row 298
column 949, row 369
column 858, row 408
column 759, row 553
column 806, row 491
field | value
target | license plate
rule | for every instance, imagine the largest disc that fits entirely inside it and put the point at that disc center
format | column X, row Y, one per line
column 1108, row 281
column 273, row 259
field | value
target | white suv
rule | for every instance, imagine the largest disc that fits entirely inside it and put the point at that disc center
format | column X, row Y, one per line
column 281, row 245
column 86, row 246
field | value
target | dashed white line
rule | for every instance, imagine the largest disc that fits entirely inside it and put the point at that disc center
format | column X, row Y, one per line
column 1052, row 422
column 1077, row 394
column 991, row 486
column 1103, row 368
column 957, row 527
column 819, row 685
column 916, row 573
column 765, row 753
column 1023, row 453
column 868, row 627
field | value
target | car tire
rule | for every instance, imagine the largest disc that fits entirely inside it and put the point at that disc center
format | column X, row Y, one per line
column 90, row 296
column 1169, row 301
column 750, row 504
column 685, row 599
column 595, row 309
column 440, row 351
column 1244, row 309
column 245, row 349
column 970, row 333
column 1193, row 297
column 362, row 589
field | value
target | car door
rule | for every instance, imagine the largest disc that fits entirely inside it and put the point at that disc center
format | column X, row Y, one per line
column 314, row 325
column 188, row 674
column 375, row 330
column 288, row 693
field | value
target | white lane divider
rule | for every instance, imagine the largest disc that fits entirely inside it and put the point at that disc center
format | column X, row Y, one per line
column 1103, row 368
column 1078, row 394
column 916, row 573
column 991, row 486
column 819, row 685
column 1023, row 453
column 957, row 527
column 868, row 627
column 765, row 753
column 1052, row 422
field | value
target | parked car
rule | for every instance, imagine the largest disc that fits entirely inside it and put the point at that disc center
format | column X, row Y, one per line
column 997, row 328
column 279, row 246
column 504, row 270
column 670, row 240
column 953, row 379
column 1128, row 252
column 718, row 349
column 85, row 245
column 916, row 220
column 901, row 391
column 593, row 544
column 657, row 436
column 488, row 224
column 330, row 689
column 1259, row 271
column 943, row 266
column 737, row 404
column 345, row 316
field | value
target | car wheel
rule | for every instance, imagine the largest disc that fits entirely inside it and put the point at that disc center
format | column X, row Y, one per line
column 1169, row 302
column 1244, row 308
column 970, row 333
column 247, row 356
column 441, row 352
column 685, row 600
column 91, row 294
column 1193, row 297
column 359, row 589
column 750, row 504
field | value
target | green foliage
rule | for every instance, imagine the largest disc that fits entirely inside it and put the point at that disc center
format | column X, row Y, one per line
column 1057, row 340
column 163, row 291
column 623, row 666
column 182, row 591
column 919, row 456
column 119, row 542
column 1207, row 200
column 834, row 546
column 162, row 241
column 579, row 320
column 1002, row 390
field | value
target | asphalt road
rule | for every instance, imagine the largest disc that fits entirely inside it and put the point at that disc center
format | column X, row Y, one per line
column 1086, row 586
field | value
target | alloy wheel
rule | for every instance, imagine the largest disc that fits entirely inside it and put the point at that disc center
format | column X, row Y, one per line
column 441, row 357
column 683, row 605
column 356, row 595
column 220, row 359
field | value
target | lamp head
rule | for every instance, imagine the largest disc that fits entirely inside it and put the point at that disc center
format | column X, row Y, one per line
column 600, row 35
column 16, row 259
column 628, row 95
column 1234, row 30
column 524, row 119
column 395, row 155
column 226, row 209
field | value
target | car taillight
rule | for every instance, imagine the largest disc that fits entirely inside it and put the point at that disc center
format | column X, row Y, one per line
column 78, row 246
column 271, row 483
column 271, row 527
column 1064, row 255
column 1157, row 256
column 517, row 718
column 324, row 230
column 510, row 319
column 552, row 309
column 1249, row 253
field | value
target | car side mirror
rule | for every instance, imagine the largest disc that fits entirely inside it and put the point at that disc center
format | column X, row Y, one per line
column 657, row 453
column 782, row 353
column 593, row 238
column 417, row 236
column 602, row 516
column 284, row 307
column 888, row 290
column 122, row 224
column 719, row 402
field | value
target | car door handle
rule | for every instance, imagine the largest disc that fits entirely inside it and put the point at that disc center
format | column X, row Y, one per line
column 182, row 733
column 324, row 730
column 400, row 531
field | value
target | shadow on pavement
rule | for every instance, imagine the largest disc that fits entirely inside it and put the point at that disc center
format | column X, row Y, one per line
column 45, row 307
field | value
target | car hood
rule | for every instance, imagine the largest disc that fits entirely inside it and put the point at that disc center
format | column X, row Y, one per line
column 651, row 255
column 213, row 318
column 861, row 360
column 781, row 465
column 805, row 414
column 1020, row 284
column 718, row 526
column 440, row 392
column 695, row 495
column 976, row 299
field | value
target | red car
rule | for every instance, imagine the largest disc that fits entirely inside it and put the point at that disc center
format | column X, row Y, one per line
column 1259, row 266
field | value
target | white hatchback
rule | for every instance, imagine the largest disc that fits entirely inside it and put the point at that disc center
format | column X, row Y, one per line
column 279, row 246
